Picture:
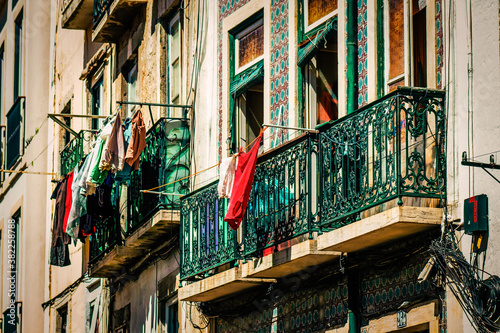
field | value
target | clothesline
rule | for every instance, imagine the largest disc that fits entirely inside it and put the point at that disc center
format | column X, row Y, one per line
column 29, row 172
column 196, row 173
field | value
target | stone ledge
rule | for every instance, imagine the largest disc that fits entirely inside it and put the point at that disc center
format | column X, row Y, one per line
column 288, row 261
column 218, row 286
column 383, row 227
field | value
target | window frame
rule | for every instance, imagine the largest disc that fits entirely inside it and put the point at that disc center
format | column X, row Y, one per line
column 246, row 26
column 237, row 37
column 18, row 55
column 176, row 19
column 310, row 28
column 97, row 123
column 133, row 70
column 305, row 33
column 93, row 297
column 408, row 76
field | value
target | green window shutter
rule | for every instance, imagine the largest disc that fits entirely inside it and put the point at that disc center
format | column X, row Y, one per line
column 309, row 50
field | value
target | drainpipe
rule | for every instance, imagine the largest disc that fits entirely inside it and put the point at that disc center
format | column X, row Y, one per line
column 351, row 71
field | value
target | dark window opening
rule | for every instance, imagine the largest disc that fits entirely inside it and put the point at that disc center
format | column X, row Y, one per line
column 18, row 55
column 250, row 109
column 172, row 318
column 322, row 78
column 67, row 121
column 96, row 93
column 62, row 319
column 419, row 44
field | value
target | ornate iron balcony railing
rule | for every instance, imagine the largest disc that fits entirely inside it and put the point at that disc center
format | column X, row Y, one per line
column 207, row 241
column 390, row 149
column 72, row 154
column 100, row 8
column 165, row 159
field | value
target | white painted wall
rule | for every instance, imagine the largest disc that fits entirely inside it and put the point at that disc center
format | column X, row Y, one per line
column 474, row 120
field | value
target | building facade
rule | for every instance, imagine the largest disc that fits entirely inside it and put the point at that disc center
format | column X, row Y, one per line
column 25, row 90
column 365, row 110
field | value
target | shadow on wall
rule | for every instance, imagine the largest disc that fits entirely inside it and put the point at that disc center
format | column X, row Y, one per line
column 150, row 321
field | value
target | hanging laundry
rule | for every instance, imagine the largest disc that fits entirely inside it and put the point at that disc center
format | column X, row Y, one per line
column 79, row 204
column 123, row 176
column 243, row 181
column 96, row 175
column 59, row 252
column 114, row 151
column 85, row 172
column 137, row 141
column 227, row 171
column 68, row 201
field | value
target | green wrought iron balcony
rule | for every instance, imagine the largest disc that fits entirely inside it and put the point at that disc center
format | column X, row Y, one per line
column 72, row 154
column 165, row 159
column 111, row 18
column 388, row 153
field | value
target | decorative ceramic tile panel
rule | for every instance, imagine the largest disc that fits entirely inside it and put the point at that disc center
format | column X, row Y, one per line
column 308, row 309
column 439, row 43
column 279, row 106
column 362, row 54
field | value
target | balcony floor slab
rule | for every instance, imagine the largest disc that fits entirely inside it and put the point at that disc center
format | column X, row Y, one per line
column 220, row 285
column 298, row 257
column 160, row 227
column 383, row 227
column 114, row 262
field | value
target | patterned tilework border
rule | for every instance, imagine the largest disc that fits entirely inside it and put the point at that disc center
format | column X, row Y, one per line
column 439, row 43
column 279, row 63
column 279, row 106
column 362, row 54
column 226, row 7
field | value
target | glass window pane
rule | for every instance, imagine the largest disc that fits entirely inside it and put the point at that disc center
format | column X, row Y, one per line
column 251, row 46
column 396, row 38
column 175, row 44
column 175, row 80
column 317, row 9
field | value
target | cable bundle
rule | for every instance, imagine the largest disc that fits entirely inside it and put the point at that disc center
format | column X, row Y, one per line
column 479, row 298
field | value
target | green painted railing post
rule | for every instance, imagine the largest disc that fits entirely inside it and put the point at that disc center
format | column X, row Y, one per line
column 351, row 56
column 309, row 187
column 399, row 128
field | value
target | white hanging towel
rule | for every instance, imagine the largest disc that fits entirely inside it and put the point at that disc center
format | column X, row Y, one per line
column 226, row 172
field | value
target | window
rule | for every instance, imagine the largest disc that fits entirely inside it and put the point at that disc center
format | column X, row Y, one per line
column 97, row 95
column 318, row 59
column 3, row 14
column 174, row 61
column 407, row 65
column 246, row 86
column 93, row 308
column 15, row 133
column 18, row 55
column 62, row 319
column 2, row 129
column 321, row 77
column 67, row 121
column 170, row 316
column 317, row 12
column 14, row 3
column 132, row 89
